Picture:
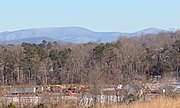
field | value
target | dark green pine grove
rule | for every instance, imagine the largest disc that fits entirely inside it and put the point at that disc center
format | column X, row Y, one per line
column 136, row 58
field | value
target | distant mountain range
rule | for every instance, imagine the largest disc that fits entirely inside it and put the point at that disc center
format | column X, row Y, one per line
column 68, row 34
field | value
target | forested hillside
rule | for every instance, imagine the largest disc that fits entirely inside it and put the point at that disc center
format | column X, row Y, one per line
column 134, row 58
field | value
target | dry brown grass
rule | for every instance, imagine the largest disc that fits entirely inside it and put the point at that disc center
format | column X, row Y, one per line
column 161, row 102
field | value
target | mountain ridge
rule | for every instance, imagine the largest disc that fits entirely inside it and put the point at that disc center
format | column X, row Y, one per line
column 67, row 34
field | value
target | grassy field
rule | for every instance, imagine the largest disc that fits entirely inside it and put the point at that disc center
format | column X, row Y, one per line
column 160, row 102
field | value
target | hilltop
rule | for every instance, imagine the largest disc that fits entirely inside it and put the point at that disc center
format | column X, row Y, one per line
column 68, row 34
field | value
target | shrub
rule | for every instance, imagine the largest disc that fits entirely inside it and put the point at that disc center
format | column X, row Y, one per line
column 40, row 106
column 11, row 105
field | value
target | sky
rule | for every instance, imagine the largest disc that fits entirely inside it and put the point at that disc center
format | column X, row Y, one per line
column 96, row 15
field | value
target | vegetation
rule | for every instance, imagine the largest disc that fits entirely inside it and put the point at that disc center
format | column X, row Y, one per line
column 136, row 58
column 160, row 102
column 40, row 106
column 9, row 106
column 94, row 64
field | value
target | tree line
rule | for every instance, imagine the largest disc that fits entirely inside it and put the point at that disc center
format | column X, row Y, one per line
column 134, row 58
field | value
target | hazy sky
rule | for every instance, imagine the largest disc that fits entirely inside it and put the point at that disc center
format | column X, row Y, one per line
column 97, row 15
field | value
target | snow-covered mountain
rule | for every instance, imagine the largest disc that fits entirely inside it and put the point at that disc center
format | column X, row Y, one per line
column 67, row 34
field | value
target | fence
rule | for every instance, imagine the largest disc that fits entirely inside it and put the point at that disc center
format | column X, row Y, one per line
column 50, row 100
